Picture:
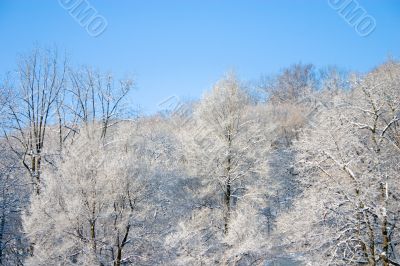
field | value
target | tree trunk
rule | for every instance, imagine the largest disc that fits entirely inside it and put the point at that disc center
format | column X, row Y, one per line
column 228, row 191
column 227, row 207
column 119, row 257
column 93, row 235
column 359, row 221
column 385, row 236
column 371, row 235
column 2, row 225
column 117, row 261
column 35, row 172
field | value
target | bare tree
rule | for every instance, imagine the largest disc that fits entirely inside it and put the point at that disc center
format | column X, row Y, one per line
column 293, row 84
column 95, row 98
column 41, row 78
column 5, row 97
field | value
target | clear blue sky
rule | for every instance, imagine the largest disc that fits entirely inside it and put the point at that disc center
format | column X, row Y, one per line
column 182, row 47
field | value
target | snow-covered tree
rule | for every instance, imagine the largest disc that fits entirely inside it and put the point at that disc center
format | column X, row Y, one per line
column 13, row 191
column 226, row 146
column 308, row 168
column 91, row 210
column 349, row 160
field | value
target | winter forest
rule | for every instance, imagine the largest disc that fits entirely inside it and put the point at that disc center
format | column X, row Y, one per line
column 296, row 168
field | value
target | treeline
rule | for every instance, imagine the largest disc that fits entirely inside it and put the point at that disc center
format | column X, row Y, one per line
column 300, row 166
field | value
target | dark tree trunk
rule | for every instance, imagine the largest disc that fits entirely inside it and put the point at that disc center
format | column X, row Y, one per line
column 385, row 235
column 118, row 259
column 2, row 225
column 227, row 207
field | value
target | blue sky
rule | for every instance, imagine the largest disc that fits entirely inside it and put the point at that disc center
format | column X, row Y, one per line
column 182, row 47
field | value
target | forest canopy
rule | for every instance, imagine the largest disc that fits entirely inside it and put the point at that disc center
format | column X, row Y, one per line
column 298, row 167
